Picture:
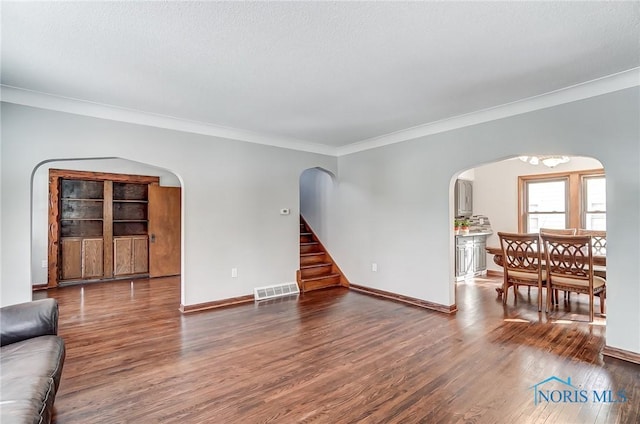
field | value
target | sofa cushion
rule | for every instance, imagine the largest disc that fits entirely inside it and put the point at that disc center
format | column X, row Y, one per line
column 38, row 357
column 26, row 400
column 27, row 320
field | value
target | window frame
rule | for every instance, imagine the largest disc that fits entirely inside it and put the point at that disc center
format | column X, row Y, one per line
column 575, row 195
column 584, row 210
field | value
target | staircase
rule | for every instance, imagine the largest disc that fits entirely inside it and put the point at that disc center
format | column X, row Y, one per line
column 317, row 268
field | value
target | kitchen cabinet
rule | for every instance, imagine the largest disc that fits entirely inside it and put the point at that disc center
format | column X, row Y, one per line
column 479, row 254
column 471, row 257
column 464, row 256
column 463, row 194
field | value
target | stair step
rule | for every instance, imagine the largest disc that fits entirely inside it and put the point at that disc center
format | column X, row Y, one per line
column 320, row 277
column 318, row 283
column 318, row 265
column 310, row 270
column 306, row 237
column 312, row 258
column 312, row 246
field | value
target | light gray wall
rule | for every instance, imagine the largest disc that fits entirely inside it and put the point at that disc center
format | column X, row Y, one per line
column 495, row 192
column 392, row 205
column 395, row 202
column 40, row 198
column 232, row 194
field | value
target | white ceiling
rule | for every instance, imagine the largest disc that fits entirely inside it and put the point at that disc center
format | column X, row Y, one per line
column 330, row 73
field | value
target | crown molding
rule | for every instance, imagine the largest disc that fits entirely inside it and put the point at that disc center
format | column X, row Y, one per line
column 604, row 85
column 608, row 84
column 41, row 100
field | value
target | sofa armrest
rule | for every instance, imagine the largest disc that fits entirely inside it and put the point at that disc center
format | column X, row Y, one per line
column 27, row 320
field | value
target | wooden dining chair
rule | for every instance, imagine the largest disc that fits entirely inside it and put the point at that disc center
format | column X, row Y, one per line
column 569, row 264
column 522, row 263
column 559, row 231
column 598, row 240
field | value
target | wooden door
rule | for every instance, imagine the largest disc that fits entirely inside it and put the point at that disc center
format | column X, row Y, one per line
column 164, row 231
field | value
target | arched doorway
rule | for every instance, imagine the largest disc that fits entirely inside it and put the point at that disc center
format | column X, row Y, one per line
column 135, row 225
column 498, row 198
column 316, row 199
column 318, row 268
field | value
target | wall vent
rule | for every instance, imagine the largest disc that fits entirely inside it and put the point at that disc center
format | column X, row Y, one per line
column 278, row 290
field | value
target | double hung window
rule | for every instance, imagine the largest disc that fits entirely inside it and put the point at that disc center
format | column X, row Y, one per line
column 562, row 200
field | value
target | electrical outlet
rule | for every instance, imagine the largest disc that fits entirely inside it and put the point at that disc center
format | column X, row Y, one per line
column 44, row 263
column 374, row 267
column 234, row 272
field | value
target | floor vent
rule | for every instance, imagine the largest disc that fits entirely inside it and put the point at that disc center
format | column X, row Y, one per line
column 278, row 290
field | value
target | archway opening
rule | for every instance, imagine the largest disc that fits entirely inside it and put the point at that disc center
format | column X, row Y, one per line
column 568, row 195
column 40, row 219
column 316, row 200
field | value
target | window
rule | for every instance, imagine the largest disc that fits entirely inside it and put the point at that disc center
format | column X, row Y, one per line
column 594, row 208
column 563, row 200
column 546, row 204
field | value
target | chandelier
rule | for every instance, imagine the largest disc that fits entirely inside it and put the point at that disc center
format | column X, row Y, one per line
column 549, row 161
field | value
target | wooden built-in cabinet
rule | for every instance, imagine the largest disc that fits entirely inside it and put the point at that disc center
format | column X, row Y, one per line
column 98, row 225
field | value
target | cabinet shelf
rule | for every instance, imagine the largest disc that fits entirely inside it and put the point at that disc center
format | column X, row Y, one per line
column 81, row 219
column 129, row 201
column 130, row 220
column 66, row 199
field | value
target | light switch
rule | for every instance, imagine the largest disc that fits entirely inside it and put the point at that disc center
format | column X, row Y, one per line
column 374, row 267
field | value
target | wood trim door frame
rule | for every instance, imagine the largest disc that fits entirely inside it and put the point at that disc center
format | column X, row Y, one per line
column 53, row 233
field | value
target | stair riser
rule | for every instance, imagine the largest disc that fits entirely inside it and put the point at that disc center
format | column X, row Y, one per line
column 310, row 260
column 316, row 271
column 305, row 239
column 310, row 248
column 321, row 284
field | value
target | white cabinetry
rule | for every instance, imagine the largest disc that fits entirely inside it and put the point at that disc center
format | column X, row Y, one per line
column 463, row 198
column 471, row 256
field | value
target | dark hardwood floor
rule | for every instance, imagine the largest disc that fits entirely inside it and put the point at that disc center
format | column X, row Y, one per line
column 330, row 356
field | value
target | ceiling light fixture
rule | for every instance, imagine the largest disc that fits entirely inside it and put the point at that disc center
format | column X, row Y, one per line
column 549, row 161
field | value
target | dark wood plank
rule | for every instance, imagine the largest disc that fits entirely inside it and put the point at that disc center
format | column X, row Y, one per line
column 327, row 356
column 101, row 176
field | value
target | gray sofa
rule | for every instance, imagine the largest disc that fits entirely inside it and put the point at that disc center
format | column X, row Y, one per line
column 31, row 360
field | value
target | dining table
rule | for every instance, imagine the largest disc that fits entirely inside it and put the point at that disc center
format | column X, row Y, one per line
column 599, row 263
